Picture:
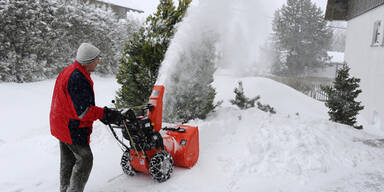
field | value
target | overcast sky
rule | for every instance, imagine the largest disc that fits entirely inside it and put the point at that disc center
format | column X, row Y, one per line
column 149, row 6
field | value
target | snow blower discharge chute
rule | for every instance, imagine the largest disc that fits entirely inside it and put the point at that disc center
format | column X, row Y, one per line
column 152, row 149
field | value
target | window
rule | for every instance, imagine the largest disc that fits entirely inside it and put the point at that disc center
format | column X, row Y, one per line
column 377, row 37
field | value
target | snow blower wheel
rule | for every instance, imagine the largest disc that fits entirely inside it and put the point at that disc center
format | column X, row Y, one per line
column 161, row 166
column 126, row 164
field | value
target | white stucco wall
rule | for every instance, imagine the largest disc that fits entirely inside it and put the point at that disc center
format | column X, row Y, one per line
column 367, row 63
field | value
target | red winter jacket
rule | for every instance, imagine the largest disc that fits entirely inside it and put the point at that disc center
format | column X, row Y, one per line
column 73, row 107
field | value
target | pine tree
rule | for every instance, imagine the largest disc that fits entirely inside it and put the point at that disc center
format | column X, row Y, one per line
column 190, row 94
column 144, row 53
column 301, row 38
column 241, row 100
column 341, row 98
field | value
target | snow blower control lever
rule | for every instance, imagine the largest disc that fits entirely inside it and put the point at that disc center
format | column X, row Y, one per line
column 138, row 130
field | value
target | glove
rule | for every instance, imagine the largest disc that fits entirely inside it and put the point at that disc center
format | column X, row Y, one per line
column 130, row 114
column 111, row 116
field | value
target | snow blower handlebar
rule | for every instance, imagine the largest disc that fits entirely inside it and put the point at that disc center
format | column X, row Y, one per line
column 126, row 129
column 129, row 123
column 128, row 114
column 141, row 108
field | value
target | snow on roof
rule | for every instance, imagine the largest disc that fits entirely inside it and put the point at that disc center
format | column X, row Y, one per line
column 336, row 57
column 122, row 4
column 146, row 6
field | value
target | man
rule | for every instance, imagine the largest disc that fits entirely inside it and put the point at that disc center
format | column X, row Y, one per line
column 72, row 114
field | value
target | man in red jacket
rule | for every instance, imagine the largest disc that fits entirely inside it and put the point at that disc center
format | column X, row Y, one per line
column 72, row 114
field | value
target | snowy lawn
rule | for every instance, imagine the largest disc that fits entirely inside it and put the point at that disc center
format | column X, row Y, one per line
column 297, row 149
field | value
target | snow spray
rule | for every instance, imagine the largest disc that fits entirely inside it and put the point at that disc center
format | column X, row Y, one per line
column 240, row 28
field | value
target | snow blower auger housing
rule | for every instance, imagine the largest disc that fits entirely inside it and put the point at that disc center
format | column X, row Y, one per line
column 151, row 149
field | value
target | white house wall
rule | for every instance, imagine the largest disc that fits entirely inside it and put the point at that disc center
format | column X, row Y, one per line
column 367, row 63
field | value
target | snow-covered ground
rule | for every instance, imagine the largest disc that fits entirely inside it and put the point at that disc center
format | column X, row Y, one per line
column 297, row 149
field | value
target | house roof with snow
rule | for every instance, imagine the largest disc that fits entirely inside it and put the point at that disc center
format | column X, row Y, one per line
column 113, row 5
column 119, row 10
column 349, row 9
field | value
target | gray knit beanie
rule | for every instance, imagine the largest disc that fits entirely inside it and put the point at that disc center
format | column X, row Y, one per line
column 87, row 53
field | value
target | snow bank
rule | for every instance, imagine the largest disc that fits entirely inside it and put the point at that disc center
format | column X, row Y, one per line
column 297, row 149
column 284, row 99
column 261, row 152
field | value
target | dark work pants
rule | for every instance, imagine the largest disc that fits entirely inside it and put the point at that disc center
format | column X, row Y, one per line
column 75, row 166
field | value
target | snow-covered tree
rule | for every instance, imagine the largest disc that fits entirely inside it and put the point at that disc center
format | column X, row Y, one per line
column 191, row 95
column 241, row 100
column 301, row 37
column 25, row 32
column 144, row 53
column 40, row 37
column 341, row 102
column 80, row 22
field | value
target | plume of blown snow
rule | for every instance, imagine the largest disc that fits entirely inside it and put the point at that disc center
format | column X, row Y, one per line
column 241, row 27
column 237, row 29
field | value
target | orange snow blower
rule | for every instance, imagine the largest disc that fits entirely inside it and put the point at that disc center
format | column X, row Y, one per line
column 152, row 149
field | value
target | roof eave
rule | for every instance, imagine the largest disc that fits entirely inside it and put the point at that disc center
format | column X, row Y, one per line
column 336, row 10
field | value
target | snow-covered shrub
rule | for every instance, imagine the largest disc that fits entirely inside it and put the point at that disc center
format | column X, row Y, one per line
column 241, row 100
column 266, row 108
column 244, row 102
column 79, row 22
column 40, row 37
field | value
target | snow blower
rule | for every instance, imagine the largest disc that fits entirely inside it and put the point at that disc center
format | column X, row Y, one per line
column 152, row 149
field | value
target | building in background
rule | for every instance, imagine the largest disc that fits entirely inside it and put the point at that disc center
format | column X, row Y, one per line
column 120, row 11
column 364, row 51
